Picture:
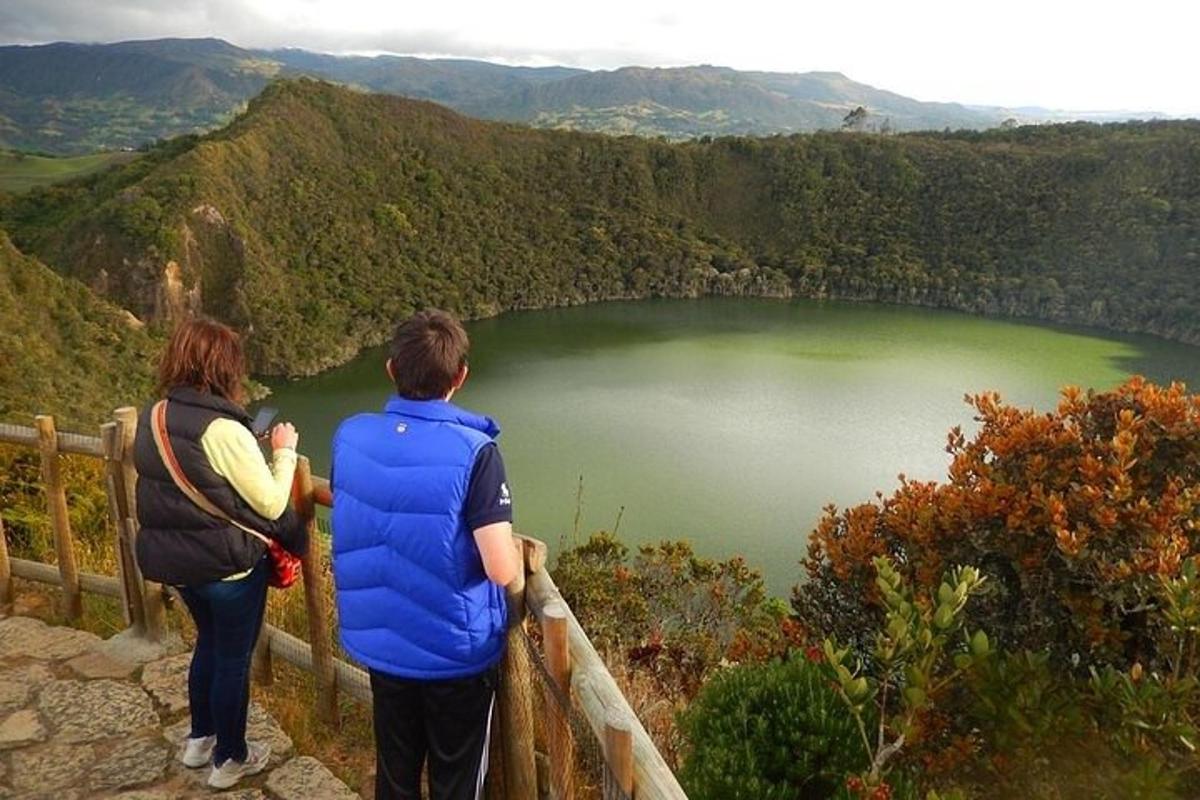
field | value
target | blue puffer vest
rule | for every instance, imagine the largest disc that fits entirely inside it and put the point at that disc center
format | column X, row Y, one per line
column 413, row 599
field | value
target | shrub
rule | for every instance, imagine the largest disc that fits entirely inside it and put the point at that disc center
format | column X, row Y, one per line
column 665, row 620
column 773, row 731
column 668, row 611
column 917, row 658
column 1074, row 516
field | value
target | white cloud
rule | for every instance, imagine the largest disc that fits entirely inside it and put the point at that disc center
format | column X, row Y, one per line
column 1057, row 53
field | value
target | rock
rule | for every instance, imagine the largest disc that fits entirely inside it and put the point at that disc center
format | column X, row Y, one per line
column 98, row 664
column 178, row 731
column 145, row 794
column 58, row 794
column 129, row 646
column 262, row 727
column 18, row 685
column 204, row 793
column 32, row 638
column 304, row 778
column 84, row 711
column 166, row 681
column 20, row 729
column 51, row 767
column 13, row 695
column 134, row 763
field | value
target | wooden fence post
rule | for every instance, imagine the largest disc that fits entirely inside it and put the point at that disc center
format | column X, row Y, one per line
column 559, row 738
column 153, row 606
column 312, row 566
column 131, row 592
column 516, row 699
column 6, row 583
column 60, row 521
column 618, row 757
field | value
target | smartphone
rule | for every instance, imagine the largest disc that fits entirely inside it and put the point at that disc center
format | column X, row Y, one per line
column 262, row 421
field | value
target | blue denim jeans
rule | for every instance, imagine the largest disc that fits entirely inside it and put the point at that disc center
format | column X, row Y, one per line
column 228, row 616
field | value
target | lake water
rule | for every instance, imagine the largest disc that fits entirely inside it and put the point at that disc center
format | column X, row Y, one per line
column 732, row 422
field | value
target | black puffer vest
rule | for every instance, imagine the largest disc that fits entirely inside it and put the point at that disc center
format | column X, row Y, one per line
column 178, row 543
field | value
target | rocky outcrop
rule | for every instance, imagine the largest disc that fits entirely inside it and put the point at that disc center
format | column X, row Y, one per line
column 303, row 778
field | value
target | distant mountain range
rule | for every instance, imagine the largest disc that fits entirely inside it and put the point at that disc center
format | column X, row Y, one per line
column 74, row 98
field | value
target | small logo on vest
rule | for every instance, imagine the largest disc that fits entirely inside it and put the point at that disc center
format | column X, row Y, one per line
column 402, row 428
column 505, row 496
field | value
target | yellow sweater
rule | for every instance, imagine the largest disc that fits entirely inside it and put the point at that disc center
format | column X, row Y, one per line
column 234, row 454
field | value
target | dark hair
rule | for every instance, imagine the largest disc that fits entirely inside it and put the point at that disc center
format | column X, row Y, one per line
column 428, row 351
column 204, row 355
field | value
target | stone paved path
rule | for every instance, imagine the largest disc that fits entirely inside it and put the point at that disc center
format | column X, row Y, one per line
column 82, row 717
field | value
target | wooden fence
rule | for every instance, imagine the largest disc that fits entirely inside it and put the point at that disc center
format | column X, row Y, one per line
column 633, row 766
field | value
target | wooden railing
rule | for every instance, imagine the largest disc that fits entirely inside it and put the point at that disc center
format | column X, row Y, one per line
column 633, row 766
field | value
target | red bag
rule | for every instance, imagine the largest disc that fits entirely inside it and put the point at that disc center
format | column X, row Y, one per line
column 285, row 567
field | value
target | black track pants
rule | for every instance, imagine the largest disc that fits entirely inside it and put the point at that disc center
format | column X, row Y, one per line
column 446, row 722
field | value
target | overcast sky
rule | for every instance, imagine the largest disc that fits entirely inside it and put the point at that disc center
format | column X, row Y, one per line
column 1135, row 55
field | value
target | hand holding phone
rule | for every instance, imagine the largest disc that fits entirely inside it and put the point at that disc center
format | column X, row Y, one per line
column 284, row 435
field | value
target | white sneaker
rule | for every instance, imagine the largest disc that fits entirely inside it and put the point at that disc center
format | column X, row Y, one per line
column 229, row 773
column 198, row 752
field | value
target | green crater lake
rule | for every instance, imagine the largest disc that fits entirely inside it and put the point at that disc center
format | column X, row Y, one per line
column 732, row 422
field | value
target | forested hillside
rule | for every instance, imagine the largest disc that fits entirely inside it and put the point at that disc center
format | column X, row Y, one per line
column 684, row 102
column 321, row 215
column 62, row 350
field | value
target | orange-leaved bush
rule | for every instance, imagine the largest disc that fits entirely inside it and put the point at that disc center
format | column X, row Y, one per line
column 1072, row 514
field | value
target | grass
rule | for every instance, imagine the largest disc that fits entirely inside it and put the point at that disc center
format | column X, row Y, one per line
column 20, row 172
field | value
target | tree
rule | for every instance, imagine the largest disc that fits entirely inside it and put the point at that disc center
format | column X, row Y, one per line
column 856, row 120
column 1075, row 515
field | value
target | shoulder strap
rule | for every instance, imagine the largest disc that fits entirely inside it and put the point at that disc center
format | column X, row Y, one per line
column 162, row 441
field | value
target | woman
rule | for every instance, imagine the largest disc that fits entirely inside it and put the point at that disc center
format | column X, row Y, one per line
column 219, row 567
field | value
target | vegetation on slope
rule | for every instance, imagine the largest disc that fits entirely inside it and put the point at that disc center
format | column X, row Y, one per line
column 20, row 172
column 62, row 350
column 683, row 102
column 78, row 98
column 321, row 215
column 1097, row 225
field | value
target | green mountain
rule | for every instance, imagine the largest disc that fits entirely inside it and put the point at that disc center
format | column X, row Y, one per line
column 452, row 82
column 63, row 350
column 684, row 102
column 76, row 98
column 322, row 215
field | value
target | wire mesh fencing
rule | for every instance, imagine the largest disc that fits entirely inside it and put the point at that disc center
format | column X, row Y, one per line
column 569, row 757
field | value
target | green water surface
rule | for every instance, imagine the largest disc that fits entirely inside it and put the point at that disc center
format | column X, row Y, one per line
column 732, row 422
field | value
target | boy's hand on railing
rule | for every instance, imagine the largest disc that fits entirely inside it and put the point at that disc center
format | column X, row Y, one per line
column 283, row 436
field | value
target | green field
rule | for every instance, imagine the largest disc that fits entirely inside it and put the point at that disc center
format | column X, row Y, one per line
column 20, row 172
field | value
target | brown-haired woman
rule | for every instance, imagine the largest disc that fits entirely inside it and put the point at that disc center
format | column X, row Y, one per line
column 220, row 568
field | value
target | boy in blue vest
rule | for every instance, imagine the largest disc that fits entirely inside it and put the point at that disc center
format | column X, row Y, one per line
column 422, row 548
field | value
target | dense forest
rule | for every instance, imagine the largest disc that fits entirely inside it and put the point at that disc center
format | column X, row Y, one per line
column 62, row 349
column 321, row 215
